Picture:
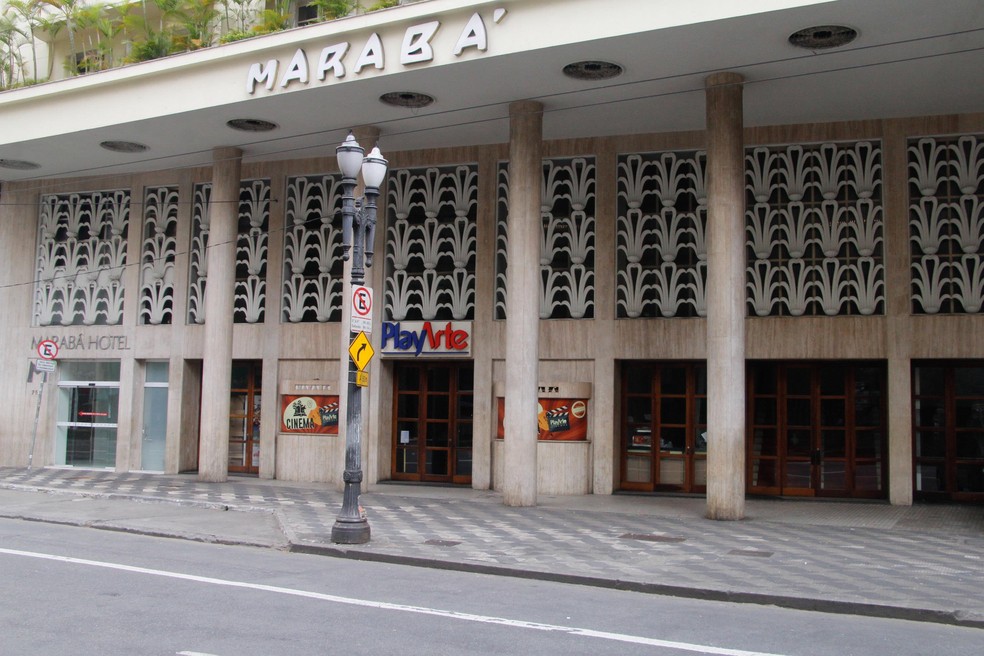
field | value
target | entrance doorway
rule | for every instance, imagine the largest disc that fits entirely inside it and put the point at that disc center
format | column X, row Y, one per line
column 88, row 401
column 664, row 424
column 244, row 416
column 432, row 438
column 948, row 430
column 816, row 429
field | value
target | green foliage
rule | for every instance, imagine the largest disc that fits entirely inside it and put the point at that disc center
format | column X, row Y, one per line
column 383, row 4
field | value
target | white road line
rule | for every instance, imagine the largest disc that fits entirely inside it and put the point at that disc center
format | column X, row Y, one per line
column 381, row 605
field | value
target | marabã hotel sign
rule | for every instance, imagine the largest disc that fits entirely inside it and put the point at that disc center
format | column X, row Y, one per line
column 331, row 62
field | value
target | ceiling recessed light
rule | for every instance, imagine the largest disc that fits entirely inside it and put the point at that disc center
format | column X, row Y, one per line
column 821, row 37
column 123, row 146
column 410, row 99
column 592, row 70
column 18, row 164
column 251, row 125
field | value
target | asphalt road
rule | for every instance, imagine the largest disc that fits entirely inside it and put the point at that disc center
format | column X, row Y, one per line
column 69, row 590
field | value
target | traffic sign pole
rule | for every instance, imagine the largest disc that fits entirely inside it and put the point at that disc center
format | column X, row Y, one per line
column 37, row 416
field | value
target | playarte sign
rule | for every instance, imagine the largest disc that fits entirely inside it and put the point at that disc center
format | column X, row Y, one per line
column 416, row 49
column 448, row 338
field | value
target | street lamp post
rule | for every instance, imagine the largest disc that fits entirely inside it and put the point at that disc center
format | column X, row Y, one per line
column 358, row 233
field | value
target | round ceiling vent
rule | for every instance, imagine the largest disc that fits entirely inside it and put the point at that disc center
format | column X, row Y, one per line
column 251, row 125
column 18, row 164
column 821, row 37
column 123, row 146
column 592, row 70
column 411, row 99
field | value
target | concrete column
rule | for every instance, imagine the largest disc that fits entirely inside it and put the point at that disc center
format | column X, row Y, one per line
column 725, row 298
column 523, row 303
column 220, row 288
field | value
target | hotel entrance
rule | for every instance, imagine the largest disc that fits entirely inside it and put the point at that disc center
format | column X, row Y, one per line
column 432, row 440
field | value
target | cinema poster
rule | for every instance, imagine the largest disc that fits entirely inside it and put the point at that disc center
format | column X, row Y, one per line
column 315, row 415
column 557, row 419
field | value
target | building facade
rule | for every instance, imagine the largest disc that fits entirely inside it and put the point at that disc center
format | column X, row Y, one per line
column 680, row 270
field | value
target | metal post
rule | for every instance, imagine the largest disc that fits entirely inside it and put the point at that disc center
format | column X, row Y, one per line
column 37, row 415
column 351, row 526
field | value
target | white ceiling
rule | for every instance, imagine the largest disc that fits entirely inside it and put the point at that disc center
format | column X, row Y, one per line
column 913, row 57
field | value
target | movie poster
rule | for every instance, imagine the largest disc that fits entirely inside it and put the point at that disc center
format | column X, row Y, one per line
column 309, row 414
column 557, row 419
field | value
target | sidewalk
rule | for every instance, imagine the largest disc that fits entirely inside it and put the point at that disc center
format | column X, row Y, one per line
column 924, row 562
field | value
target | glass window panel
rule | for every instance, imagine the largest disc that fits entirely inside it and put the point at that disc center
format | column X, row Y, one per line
column 765, row 379
column 437, row 434
column 834, row 443
column 438, row 406
column 406, row 461
column 765, row 411
column 701, row 410
column 969, row 381
column 90, row 370
column 930, row 478
column 930, row 412
column 798, row 442
column 240, row 375
column 408, row 406
column 673, row 411
column 831, row 381
column 437, row 463
column 464, row 438
column 640, row 409
column 867, row 410
column 463, row 462
column 798, row 381
column 156, row 372
column 238, row 404
column 798, row 412
column 765, row 473
column 638, row 469
column 408, row 379
column 929, row 380
column 466, row 410
column 970, row 414
column 970, row 478
column 640, row 438
column 673, row 380
column 466, row 380
column 700, row 442
column 868, row 444
column 832, row 412
column 700, row 472
column 237, row 453
column 970, row 445
column 439, row 379
column 868, row 380
column 930, row 444
column 673, row 439
column 671, row 471
column 833, row 476
column 798, row 474
column 867, row 477
column 406, row 433
column 764, row 442
column 640, row 381
column 700, row 384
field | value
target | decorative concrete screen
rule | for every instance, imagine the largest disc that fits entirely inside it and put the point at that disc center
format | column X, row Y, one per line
column 946, row 224
column 81, row 258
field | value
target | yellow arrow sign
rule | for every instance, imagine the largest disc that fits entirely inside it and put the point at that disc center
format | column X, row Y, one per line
column 361, row 351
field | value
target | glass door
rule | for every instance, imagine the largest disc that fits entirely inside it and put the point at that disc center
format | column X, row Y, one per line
column 154, row 433
column 816, row 429
column 88, row 400
column 948, row 431
column 433, row 422
column 244, row 416
column 664, row 444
